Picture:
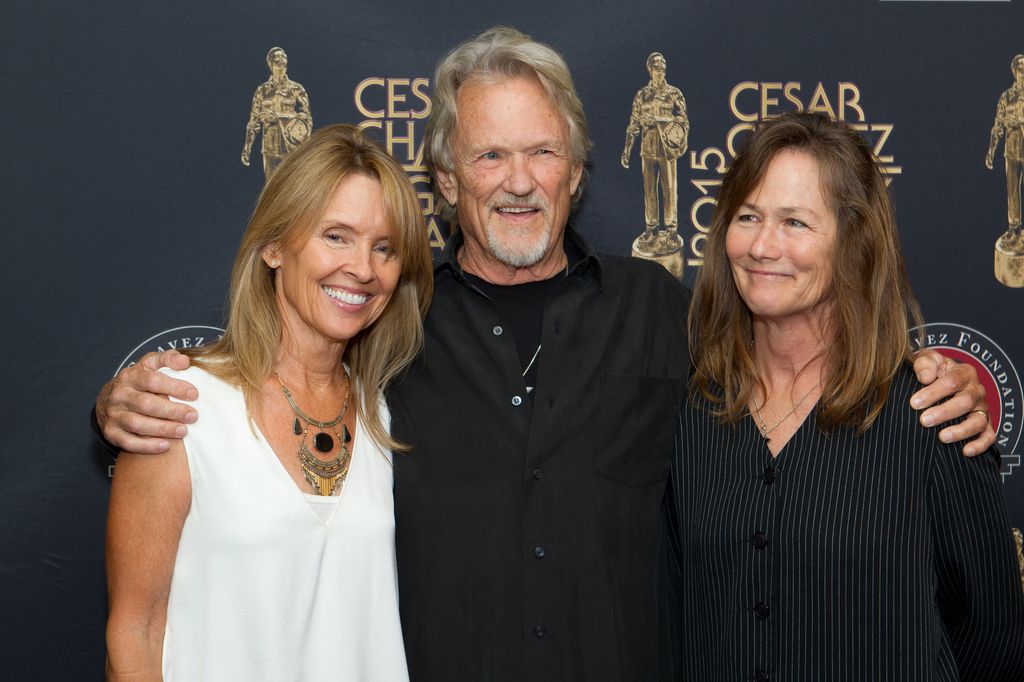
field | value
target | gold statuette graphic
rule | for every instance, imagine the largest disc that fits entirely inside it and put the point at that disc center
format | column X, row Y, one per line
column 1009, row 258
column 1019, row 541
column 280, row 111
column 659, row 118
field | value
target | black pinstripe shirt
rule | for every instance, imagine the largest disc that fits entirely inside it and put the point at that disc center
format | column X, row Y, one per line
column 880, row 556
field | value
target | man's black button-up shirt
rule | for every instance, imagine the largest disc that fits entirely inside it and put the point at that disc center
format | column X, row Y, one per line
column 528, row 539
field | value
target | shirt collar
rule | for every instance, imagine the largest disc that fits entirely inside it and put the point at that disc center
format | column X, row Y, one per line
column 582, row 255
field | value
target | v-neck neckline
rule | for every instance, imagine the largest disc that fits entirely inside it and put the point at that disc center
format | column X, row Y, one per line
column 300, row 494
column 776, row 459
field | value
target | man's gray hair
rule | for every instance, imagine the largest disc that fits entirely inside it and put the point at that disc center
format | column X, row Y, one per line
column 500, row 53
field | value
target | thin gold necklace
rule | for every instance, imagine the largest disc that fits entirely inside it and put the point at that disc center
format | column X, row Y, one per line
column 763, row 428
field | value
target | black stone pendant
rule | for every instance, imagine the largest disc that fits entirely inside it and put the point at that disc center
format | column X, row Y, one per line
column 345, row 435
column 297, row 427
column 323, row 442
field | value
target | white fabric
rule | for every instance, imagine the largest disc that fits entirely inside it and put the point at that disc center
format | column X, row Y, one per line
column 264, row 588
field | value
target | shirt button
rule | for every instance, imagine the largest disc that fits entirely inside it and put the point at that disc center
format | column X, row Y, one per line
column 536, row 474
column 759, row 539
column 538, row 552
column 761, row 610
column 768, row 476
column 761, row 676
column 517, row 401
column 497, row 331
column 539, row 631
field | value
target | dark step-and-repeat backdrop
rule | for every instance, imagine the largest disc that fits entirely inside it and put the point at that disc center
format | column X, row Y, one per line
column 134, row 148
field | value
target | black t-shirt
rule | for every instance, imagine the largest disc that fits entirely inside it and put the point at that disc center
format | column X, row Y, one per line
column 522, row 307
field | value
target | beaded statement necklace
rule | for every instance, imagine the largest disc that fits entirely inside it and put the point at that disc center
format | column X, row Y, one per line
column 324, row 476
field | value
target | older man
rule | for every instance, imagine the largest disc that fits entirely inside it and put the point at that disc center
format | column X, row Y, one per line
column 542, row 410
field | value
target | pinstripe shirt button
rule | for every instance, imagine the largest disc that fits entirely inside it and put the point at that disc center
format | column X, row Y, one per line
column 761, row 610
column 759, row 539
column 761, row 676
column 768, row 476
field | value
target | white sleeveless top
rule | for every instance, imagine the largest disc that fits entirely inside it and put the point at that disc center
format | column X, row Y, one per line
column 269, row 585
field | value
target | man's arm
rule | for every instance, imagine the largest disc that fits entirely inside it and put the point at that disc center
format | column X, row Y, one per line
column 978, row 591
column 135, row 414
column 134, row 411
column 943, row 378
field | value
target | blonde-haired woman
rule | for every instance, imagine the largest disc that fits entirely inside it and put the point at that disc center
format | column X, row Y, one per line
column 264, row 549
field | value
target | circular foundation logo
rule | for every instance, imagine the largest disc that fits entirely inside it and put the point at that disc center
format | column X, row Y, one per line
column 996, row 373
column 177, row 338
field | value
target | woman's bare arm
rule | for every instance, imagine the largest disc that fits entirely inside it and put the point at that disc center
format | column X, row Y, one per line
column 149, row 500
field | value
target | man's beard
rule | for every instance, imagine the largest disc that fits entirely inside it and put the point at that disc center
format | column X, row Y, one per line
column 507, row 246
column 514, row 252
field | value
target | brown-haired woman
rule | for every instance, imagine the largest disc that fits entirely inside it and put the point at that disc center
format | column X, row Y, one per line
column 264, row 549
column 825, row 535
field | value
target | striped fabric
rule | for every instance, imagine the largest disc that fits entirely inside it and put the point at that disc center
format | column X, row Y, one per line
column 880, row 556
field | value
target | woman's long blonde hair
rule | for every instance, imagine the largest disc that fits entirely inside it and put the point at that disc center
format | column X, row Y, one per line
column 289, row 207
column 873, row 306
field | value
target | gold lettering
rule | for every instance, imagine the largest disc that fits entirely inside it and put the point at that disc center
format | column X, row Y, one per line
column 425, row 195
column 434, row 233
column 418, row 85
column 696, row 248
column 409, row 140
column 416, row 163
column 697, row 205
column 791, row 91
column 767, row 101
column 737, row 89
column 363, row 109
column 819, row 102
column 704, row 185
column 886, row 130
column 421, row 181
column 703, row 164
column 394, row 98
column 853, row 102
column 730, row 140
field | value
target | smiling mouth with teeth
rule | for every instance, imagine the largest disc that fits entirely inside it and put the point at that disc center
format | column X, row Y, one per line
column 345, row 296
column 516, row 209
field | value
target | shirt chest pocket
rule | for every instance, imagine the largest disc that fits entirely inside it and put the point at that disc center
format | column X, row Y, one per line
column 636, row 417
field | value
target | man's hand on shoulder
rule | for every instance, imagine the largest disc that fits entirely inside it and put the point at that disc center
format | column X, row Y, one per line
column 945, row 378
column 134, row 411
